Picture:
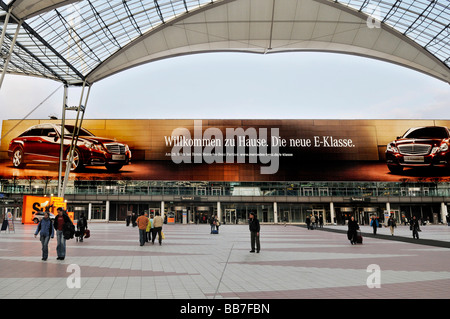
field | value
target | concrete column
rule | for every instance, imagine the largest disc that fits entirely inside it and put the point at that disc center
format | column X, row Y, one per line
column 388, row 209
column 89, row 211
column 275, row 213
column 332, row 216
column 444, row 213
column 162, row 209
column 219, row 212
column 107, row 211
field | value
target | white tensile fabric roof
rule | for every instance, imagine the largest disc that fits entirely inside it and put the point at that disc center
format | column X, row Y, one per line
column 86, row 41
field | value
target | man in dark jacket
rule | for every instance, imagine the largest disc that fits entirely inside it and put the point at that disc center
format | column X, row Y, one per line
column 82, row 225
column 374, row 224
column 62, row 224
column 254, row 227
column 414, row 226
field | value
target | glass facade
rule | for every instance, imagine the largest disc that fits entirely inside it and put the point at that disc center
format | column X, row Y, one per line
column 194, row 202
column 260, row 189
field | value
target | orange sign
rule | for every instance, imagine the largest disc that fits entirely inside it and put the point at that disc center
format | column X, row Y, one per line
column 34, row 207
column 57, row 202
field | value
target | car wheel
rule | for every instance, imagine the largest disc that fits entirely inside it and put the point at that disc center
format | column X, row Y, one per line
column 36, row 221
column 18, row 158
column 77, row 163
column 114, row 168
column 395, row 168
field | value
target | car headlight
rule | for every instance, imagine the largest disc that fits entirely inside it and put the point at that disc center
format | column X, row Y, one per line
column 391, row 148
column 442, row 148
column 127, row 149
column 93, row 146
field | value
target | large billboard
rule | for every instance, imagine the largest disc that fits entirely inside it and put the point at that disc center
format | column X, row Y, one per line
column 231, row 150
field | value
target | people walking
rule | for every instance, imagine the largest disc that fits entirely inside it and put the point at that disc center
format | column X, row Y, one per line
column 149, row 229
column 158, row 222
column 352, row 230
column 414, row 226
column 392, row 224
column 133, row 219
column 62, row 224
column 313, row 221
column 308, row 221
column 45, row 227
column 128, row 218
column 321, row 221
column 212, row 223
column 142, row 222
column 82, row 225
column 217, row 223
column 374, row 224
column 254, row 233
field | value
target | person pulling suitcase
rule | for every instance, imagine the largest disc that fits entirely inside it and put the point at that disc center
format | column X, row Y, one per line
column 352, row 233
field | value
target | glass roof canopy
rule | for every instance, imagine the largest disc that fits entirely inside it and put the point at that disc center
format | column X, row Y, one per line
column 427, row 22
column 69, row 40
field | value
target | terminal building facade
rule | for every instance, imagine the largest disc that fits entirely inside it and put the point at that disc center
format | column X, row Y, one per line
column 277, row 202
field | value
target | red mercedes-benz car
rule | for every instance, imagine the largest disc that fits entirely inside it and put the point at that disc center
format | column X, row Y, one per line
column 41, row 144
column 420, row 147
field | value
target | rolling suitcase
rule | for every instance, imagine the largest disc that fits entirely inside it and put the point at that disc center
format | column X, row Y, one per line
column 87, row 233
column 359, row 238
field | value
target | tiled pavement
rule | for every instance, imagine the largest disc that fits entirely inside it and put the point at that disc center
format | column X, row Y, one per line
column 294, row 263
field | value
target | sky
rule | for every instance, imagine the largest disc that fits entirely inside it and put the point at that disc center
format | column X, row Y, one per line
column 243, row 86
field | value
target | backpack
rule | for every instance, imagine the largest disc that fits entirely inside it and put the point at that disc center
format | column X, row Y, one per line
column 81, row 222
column 69, row 231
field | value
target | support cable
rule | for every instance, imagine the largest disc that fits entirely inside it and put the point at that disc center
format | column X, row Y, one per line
column 223, row 271
column 34, row 109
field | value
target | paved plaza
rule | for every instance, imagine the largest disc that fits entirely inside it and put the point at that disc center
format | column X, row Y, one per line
column 294, row 263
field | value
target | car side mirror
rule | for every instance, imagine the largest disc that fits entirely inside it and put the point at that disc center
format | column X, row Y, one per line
column 54, row 135
column 399, row 137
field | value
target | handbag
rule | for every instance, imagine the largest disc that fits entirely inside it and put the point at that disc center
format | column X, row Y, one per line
column 162, row 235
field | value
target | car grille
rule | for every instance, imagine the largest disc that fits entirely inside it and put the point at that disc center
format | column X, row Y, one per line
column 115, row 148
column 414, row 149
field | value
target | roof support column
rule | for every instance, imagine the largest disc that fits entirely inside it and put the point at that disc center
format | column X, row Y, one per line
column 8, row 57
column 61, row 149
column 72, row 157
column 2, row 37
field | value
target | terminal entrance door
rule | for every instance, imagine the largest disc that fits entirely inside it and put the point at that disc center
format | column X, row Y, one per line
column 230, row 216
column 286, row 217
